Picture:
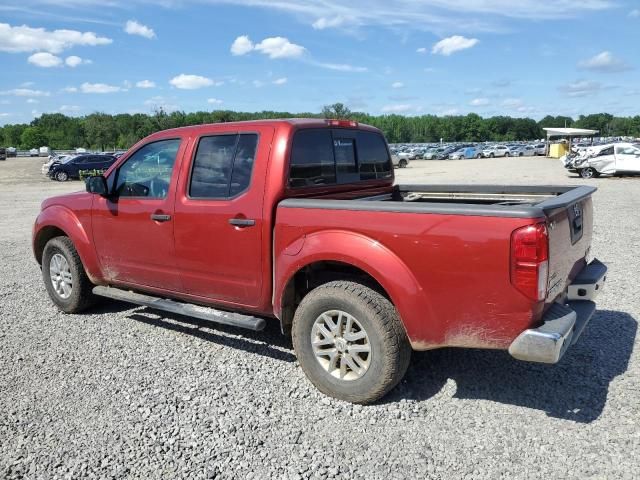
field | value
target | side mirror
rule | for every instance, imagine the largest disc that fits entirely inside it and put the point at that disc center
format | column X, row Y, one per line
column 97, row 185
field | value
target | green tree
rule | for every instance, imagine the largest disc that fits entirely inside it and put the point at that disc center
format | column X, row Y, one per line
column 100, row 130
column 33, row 137
column 337, row 110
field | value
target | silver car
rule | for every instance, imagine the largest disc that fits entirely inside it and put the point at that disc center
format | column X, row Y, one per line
column 496, row 151
column 400, row 162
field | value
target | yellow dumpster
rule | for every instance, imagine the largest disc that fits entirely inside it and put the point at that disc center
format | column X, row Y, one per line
column 557, row 150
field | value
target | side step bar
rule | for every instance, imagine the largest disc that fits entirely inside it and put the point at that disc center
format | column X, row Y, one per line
column 188, row 309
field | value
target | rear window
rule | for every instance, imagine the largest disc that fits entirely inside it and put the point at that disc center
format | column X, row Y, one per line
column 337, row 156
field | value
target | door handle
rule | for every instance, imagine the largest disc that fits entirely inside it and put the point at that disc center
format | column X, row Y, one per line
column 160, row 217
column 242, row 222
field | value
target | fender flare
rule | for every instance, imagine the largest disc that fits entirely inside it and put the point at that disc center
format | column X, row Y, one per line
column 368, row 255
column 65, row 220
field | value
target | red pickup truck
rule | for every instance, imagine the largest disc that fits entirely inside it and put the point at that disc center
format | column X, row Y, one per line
column 300, row 221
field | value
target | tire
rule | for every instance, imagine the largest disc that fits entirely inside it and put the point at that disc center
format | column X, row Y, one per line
column 402, row 163
column 491, row 155
column 506, row 154
column 389, row 350
column 80, row 296
column 62, row 176
column 588, row 173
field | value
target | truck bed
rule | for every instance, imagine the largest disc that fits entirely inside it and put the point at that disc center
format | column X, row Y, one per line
column 452, row 247
column 482, row 200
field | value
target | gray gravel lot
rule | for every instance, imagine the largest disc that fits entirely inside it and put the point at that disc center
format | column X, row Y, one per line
column 126, row 392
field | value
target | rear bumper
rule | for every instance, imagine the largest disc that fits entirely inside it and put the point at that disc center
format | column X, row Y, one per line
column 563, row 322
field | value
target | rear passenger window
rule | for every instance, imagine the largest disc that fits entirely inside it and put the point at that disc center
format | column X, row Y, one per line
column 222, row 166
column 373, row 156
column 337, row 156
column 312, row 161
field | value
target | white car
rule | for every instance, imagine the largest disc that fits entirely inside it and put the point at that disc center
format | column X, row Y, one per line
column 496, row 151
column 523, row 151
column 34, row 152
column 400, row 162
column 540, row 149
column 612, row 159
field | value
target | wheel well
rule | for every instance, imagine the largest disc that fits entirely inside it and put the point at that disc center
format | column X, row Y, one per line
column 314, row 275
column 44, row 235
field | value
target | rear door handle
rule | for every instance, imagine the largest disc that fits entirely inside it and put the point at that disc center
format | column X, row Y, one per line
column 160, row 217
column 242, row 222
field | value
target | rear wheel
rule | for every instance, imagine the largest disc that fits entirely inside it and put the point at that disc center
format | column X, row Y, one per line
column 350, row 342
column 491, row 155
column 62, row 176
column 506, row 154
column 402, row 163
column 64, row 276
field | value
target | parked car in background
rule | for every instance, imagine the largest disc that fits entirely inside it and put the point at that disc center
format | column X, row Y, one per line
column 433, row 153
column 457, row 155
column 44, row 151
column 72, row 168
column 466, row 153
column 12, row 152
column 34, row 152
column 522, row 151
column 3, row 153
column 399, row 162
column 444, row 154
column 51, row 160
column 540, row 149
column 81, row 150
column 616, row 159
column 496, row 151
column 408, row 155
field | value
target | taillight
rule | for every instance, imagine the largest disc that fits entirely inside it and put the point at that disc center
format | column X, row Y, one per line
column 342, row 123
column 530, row 260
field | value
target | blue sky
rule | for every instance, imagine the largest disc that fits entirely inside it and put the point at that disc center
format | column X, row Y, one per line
column 519, row 58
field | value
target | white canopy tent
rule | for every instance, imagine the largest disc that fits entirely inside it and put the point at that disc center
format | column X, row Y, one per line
column 569, row 134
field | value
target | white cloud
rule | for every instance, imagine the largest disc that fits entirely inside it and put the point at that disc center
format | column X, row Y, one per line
column 241, row 45
column 397, row 108
column 5, row 114
column 214, row 101
column 279, row 47
column 273, row 47
column 25, row 92
column 421, row 50
column 190, row 82
column 512, row 103
column 426, row 15
column 45, row 60
column 397, row 85
column 73, row 61
column 581, row 88
column 333, row 22
column 604, row 62
column 158, row 102
column 70, row 108
column 634, row 13
column 258, row 83
column 340, row 67
column 453, row 44
column 99, row 88
column 479, row 102
column 70, row 89
column 133, row 27
column 32, row 100
column 145, row 84
column 280, row 81
column 26, row 39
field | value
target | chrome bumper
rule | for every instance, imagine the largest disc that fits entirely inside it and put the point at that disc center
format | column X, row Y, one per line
column 563, row 323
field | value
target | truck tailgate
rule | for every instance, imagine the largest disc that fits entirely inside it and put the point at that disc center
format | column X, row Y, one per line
column 570, row 225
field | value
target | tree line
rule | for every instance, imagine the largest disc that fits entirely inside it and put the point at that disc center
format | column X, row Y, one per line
column 104, row 131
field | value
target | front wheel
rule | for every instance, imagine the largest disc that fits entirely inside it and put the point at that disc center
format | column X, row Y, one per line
column 350, row 342
column 62, row 176
column 506, row 154
column 588, row 172
column 403, row 163
column 64, row 277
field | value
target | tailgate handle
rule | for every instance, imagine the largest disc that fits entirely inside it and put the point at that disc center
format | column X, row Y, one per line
column 242, row 222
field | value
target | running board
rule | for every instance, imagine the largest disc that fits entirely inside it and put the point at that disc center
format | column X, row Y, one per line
column 188, row 309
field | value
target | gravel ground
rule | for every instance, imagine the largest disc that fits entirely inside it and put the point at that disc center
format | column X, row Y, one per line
column 126, row 392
